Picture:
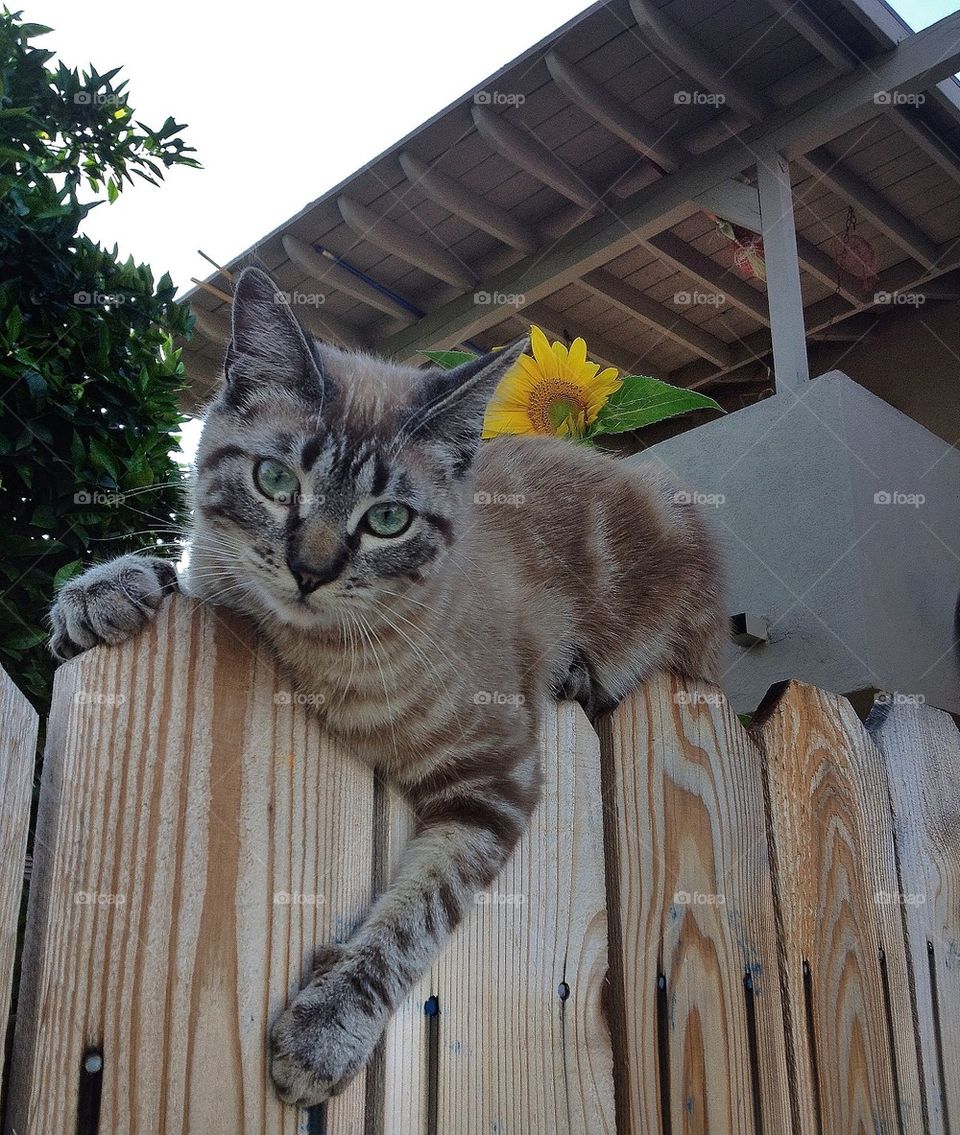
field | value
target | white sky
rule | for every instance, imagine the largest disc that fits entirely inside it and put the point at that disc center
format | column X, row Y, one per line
column 282, row 105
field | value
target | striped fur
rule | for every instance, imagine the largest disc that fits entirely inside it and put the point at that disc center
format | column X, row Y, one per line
column 533, row 568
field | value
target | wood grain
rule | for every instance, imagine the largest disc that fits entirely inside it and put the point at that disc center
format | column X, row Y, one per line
column 845, row 965
column 511, row 1055
column 18, row 746
column 921, row 747
column 699, row 1029
column 197, row 837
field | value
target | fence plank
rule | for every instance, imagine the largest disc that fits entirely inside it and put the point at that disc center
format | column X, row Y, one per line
column 921, row 747
column 18, row 745
column 509, row 1054
column 845, row 966
column 700, row 1047
column 181, row 807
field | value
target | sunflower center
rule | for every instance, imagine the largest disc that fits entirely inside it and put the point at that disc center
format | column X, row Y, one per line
column 552, row 401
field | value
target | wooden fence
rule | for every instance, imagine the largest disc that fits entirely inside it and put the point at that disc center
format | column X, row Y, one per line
column 706, row 929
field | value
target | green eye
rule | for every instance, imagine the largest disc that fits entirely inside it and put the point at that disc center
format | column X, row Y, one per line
column 276, row 481
column 388, row 519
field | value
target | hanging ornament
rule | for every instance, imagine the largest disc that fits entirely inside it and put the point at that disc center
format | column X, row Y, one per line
column 747, row 249
column 855, row 255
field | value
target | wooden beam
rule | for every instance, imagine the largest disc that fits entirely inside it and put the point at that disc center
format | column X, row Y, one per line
column 889, row 220
column 912, row 122
column 712, row 275
column 528, row 153
column 735, row 201
column 816, row 32
column 213, row 325
column 467, row 204
column 666, row 35
column 656, row 315
column 790, row 365
column 416, row 248
column 826, row 313
column 615, row 115
column 810, row 121
column 328, row 272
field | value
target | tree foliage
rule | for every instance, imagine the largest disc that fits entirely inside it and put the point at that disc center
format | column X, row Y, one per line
column 89, row 373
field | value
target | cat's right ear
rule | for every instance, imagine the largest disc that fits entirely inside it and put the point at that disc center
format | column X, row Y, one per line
column 268, row 346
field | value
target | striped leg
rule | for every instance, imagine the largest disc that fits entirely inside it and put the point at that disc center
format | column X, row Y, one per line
column 463, row 839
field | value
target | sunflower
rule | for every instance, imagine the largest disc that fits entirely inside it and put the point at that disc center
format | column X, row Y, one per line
column 557, row 392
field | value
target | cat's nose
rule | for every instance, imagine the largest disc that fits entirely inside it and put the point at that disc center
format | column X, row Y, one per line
column 309, row 577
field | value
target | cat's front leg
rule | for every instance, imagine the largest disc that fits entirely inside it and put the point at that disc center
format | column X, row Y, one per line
column 465, row 833
column 109, row 603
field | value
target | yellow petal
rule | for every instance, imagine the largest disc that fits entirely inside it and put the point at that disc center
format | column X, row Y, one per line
column 578, row 354
column 542, row 353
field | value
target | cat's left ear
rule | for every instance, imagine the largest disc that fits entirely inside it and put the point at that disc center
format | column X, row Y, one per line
column 448, row 405
column 268, row 344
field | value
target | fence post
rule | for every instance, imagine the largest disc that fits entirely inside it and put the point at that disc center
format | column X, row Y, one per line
column 18, row 745
column 197, row 836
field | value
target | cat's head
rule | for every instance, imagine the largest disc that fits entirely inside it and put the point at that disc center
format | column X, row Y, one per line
column 327, row 479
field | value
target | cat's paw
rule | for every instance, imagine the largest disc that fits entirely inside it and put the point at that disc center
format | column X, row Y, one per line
column 326, row 1036
column 109, row 603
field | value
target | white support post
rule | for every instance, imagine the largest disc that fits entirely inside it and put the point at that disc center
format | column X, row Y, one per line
column 784, row 297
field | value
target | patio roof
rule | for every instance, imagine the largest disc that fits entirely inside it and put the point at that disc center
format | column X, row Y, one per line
column 574, row 189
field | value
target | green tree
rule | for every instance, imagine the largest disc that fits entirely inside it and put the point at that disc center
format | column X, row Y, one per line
column 89, row 373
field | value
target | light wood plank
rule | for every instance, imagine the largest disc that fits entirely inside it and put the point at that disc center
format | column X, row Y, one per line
column 843, row 950
column 692, row 917
column 921, row 747
column 511, row 1055
column 184, row 800
column 18, row 746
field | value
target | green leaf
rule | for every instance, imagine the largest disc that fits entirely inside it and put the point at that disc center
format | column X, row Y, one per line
column 447, row 360
column 66, row 573
column 643, row 401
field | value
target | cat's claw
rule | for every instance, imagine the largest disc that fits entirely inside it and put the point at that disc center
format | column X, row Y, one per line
column 326, row 1036
column 109, row 603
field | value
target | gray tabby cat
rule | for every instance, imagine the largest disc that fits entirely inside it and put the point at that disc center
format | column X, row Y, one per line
column 413, row 576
